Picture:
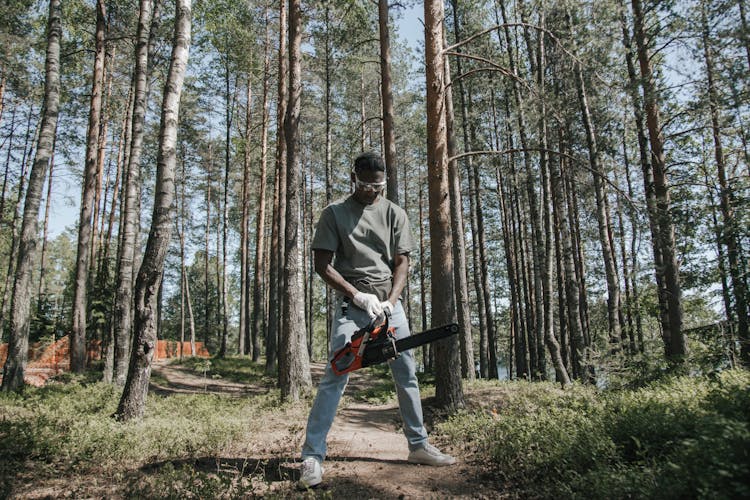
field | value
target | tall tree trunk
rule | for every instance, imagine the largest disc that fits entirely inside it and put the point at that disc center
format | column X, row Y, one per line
column 459, row 245
column 330, row 302
column 219, row 307
column 3, row 80
column 108, row 350
column 207, row 253
column 180, row 225
column 78, row 332
column 730, row 235
column 634, row 244
column 628, row 326
column 126, row 262
column 308, row 223
column 550, row 339
column 426, row 361
column 643, row 150
column 229, row 112
column 102, row 184
column 7, row 160
column 133, row 400
column 243, row 337
column 469, row 139
column 536, row 334
column 448, row 389
column 459, row 242
column 572, row 287
column 259, row 285
column 602, row 214
column 508, row 242
column 277, row 247
column 389, row 133
column 515, row 262
column 675, row 343
column 294, row 363
column 45, row 232
column 18, row 343
column 362, row 111
column 14, row 228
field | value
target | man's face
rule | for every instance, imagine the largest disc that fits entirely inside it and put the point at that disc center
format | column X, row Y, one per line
column 368, row 185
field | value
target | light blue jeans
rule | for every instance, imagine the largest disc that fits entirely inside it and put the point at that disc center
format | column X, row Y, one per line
column 347, row 320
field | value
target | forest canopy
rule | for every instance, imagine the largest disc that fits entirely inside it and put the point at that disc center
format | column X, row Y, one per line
column 594, row 162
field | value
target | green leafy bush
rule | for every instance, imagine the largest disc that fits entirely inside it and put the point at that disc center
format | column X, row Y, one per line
column 684, row 437
column 71, row 426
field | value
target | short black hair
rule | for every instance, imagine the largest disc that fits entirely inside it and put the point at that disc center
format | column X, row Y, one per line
column 369, row 161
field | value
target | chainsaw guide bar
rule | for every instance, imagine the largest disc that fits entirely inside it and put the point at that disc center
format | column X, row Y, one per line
column 376, row 343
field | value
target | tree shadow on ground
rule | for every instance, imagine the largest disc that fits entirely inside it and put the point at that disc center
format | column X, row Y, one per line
column 270, row 469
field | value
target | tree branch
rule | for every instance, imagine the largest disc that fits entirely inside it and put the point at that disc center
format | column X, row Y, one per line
column 579, row 162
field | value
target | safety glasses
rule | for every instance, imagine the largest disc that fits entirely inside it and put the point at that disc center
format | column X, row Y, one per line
column 368, row 186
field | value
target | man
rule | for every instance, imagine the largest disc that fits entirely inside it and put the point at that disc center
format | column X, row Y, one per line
column 370, row 239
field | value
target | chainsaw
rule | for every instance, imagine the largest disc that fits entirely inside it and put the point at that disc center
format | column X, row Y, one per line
column 376, row 343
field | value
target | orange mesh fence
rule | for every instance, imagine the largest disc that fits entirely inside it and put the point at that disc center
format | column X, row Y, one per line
column 171, row 349
column 47, row 361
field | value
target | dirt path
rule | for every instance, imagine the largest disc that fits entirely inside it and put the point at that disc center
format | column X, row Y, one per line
column 366, row 449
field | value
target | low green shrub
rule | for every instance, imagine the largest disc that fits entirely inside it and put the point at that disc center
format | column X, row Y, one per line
column 683, row 437
column 234, row 368
column 71, row 426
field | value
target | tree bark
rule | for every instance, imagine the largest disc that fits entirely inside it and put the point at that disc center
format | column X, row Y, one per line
column 78, row 332
column 258, row 311
column 126, row 261
column 675, row 344
column 389, row 133
column 277, row 248
column 448, row 389
column 18, row 343
column 330, row 296
column 229, row 112
column 550, row 339
column 294, row 363
column 17, row 215
column 469, row 139
column 459, row 242
column 243, row 337
column 603, row 217
column 730, row 235
column 133, row 400
column 426, row 361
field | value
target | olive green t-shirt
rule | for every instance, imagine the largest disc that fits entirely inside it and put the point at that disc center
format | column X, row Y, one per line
column 365, row 239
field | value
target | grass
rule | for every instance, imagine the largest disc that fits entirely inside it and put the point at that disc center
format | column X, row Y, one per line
column 67, row 430
column 678, row 437
column 682, row 437
column 233, row 368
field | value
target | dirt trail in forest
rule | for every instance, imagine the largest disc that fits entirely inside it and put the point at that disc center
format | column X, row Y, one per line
column 366, row 449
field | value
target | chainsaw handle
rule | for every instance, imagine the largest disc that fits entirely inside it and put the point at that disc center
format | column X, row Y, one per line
column 377, row 321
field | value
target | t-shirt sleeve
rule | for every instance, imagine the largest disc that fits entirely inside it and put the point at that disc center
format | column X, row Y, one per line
column 405, row 242
column 326, row 237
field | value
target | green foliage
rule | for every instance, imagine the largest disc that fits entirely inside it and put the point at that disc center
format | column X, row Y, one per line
column 68, row 429
column 235, row 368
column 683, row 437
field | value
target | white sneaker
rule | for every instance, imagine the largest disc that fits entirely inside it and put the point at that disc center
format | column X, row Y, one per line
column 429, row 455
column 312, row 473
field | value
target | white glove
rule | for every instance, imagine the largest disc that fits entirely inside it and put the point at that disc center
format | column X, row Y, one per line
column 369, row 303
column 387, row 307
